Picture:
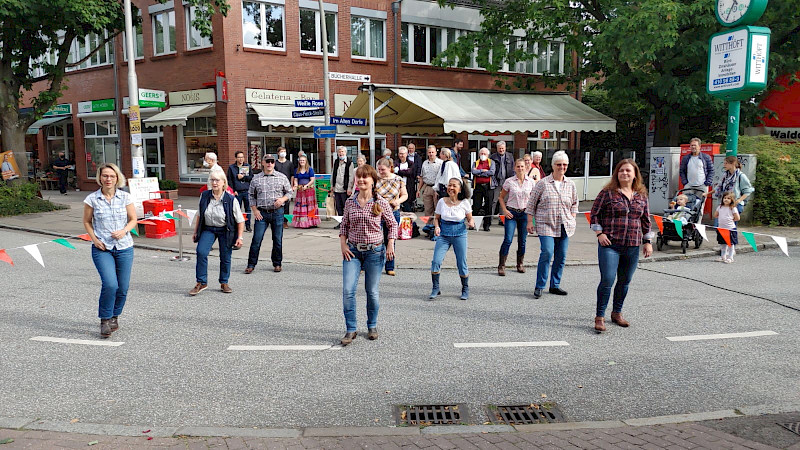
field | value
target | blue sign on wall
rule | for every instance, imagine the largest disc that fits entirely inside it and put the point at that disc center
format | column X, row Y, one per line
column 308, row 113
column 309, row 103
column 351, row 121
column 325, row 132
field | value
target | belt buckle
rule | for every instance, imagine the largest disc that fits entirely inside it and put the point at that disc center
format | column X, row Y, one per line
column 364, row 247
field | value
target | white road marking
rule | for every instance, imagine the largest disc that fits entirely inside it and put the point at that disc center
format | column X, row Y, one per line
column 510, row 344
column 76, row 341
column 702, row 337
column 279, row 347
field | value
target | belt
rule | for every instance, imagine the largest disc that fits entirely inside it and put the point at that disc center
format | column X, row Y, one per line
column 429, row 185
column 268, row 210
column 364, row 247
column 515, row 209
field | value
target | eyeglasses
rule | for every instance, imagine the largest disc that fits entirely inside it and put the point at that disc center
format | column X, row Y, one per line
column 214, row 180
column 269, row 161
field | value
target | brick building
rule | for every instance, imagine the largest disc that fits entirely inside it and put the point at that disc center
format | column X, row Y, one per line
column 269, row 53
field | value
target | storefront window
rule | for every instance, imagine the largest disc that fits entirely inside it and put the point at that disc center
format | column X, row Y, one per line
column 60, row 138
column 200, row 137
column 600, row 163
column 100, row 137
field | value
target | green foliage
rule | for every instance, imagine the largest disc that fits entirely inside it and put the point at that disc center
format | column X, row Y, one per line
column 776, row 200
column 167, row 185
column 22, row 199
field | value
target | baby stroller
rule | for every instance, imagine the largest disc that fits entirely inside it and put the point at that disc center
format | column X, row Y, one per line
column 693, row 216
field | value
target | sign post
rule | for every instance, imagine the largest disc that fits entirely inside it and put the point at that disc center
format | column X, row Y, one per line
column 137, row 153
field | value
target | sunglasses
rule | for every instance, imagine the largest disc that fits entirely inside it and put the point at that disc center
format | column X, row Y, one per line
column 269, row 161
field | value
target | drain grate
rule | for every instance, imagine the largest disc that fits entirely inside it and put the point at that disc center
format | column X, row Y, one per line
column 416, row 415
column 525, row 414
column 794, row 427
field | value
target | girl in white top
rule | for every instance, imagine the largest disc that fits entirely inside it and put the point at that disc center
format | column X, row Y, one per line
column 447, row 171
column 728, row 216
column 453, row 215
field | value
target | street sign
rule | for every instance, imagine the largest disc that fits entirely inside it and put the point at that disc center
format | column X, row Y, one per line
column 309, row 103
column 307, row 113
column 350, row 121
column 357, row 77
column 328, row 131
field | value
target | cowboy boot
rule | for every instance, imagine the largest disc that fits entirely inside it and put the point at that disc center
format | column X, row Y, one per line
column 435, row 291
column 501, row 266
column 521, row 263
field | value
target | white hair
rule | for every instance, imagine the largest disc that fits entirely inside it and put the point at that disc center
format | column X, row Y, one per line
column 211, row 156
column 536, row 153
column 341, row 147
column 559, row 156
column 447, row 151
column 482, row 149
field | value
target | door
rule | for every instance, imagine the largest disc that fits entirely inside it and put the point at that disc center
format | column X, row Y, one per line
column 154, row 156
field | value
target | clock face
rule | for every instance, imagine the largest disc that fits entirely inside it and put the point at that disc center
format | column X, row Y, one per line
column 730, row 11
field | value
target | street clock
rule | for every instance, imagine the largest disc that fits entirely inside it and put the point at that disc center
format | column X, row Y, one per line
column 731, row 13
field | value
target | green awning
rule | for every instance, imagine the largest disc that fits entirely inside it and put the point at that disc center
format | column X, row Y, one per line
column 39, row 124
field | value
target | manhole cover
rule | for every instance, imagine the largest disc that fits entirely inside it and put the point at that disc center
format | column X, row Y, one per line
column 794, row 427
column 525, row 414
column 417, row 415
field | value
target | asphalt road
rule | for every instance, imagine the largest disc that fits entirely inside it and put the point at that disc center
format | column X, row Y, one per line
column 175, row 368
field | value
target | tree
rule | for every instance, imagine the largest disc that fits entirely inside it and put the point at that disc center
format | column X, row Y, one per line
column 36, row 37
column 650, row 51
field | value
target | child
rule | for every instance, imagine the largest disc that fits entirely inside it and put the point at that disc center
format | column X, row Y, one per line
column 682, row 212
column 727, row 215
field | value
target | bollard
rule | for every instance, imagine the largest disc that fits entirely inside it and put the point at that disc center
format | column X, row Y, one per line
column 180, row 256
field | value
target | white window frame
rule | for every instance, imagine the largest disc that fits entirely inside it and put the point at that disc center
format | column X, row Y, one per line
column 113, row 134
column 409, row 27
column 367, row 38
column 135, row 42
column 263, row 18
column 318, row 33
column 74, row 55
column 167, row 50
column 205, row 42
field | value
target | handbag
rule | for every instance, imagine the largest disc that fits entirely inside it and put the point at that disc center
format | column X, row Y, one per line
column 330, row 206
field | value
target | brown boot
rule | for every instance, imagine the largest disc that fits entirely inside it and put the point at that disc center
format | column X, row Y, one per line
column 599, row 324
column 501, row 266
column 617, row 319
column 520, row 263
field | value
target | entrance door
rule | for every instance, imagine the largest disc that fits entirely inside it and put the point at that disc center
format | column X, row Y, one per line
column 154, row 155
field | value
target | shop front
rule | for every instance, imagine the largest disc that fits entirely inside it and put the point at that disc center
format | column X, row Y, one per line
column 100, row 135
column 151, row 102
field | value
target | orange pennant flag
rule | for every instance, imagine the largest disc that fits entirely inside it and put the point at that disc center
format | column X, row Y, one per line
column 726, row 234
column 146, row 222
column 4, row 257
column 502, row 219
column 660, row 222
column 588, row 217
column 312, row 215
column 85, row 237
column 181, row 213
column 424, row 218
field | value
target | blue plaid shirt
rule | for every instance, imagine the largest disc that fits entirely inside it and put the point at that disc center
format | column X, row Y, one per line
column 108, row 217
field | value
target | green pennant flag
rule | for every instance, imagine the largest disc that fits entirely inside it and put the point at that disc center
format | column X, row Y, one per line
column 678, row 227
column 169, row 216
column 750, row 239
column 288, row 217
column 134, row 231
column 64, row 243
column 533, row 221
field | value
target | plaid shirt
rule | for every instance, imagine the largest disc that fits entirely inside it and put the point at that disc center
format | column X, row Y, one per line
column 389, row 189
column 518, row 194
column 109, row 217
column 552, row 208
column 361, row 226
column 265, row 189
column 624, row 221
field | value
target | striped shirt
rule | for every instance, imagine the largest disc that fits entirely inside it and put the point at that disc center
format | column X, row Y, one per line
column 108, row 217
column 390, row 189
column 361, row 226
column 518, row 193
column 265, row 189
column 553, row 207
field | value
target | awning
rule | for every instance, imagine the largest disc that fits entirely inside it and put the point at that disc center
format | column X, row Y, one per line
column 280, row 115
column 176, row 115
column 39, row 124
column 95, row 115
column 412, row 109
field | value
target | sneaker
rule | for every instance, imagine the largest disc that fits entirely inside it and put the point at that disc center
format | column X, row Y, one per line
column 728, row 261
column 198, row 288
column 721, row 259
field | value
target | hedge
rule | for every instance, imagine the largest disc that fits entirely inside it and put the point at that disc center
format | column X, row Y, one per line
column 23, row 198
column 776, row 200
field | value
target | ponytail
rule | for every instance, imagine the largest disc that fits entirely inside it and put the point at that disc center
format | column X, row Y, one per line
column 376, row 207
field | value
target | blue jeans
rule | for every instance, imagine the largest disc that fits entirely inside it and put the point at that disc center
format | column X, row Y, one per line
column 390, row 263
column 371, row 263
column 443, row 244
column 204, row 243
column 275, row 219
column 519, row 222
column 556, row 248
column 244, row 204
column 114, row 267
column 615, row 261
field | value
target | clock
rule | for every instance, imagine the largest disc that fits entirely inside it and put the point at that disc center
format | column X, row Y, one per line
column 731, row 13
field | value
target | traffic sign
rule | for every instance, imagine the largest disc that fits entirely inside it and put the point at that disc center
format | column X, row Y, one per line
column 357, row 77
column 328, row 131
column 309, row 103
column 351, row 121
column 308, row 113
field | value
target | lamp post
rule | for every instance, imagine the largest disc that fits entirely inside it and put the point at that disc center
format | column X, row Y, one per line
column 135, row 122
column 325, row 83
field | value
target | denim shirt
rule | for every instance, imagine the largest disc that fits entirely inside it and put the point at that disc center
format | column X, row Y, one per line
column 108, row 217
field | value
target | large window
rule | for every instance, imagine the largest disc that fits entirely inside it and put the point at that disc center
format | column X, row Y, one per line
column 163, row 32
column 263, row 25
column 83, row 46
column 101, row 139
column 193, row 38
column 367, row 38
column 310, row 31
column 200, row 137
column 421, row 43
column 61, row 138
column 138, row 42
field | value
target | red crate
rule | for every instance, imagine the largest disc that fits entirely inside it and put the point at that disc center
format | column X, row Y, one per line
column 162, row 228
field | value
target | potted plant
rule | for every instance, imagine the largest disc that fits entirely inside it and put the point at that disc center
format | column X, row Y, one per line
column 169, row 188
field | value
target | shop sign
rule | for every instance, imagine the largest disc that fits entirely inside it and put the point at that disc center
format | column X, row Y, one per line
column 356, row 77
column 342, row 102
column 784, row 134
column 63, row 109
column 149, row 98
column 278, row 97
column 222, row 89
column 191, row 97
column 737, row 63
column 96, row 106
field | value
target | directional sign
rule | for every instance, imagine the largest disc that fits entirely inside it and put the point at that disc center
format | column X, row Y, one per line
column 309, row 103
column 351, row 121
column 308, row 113
column 357, row 77
column 325, row 132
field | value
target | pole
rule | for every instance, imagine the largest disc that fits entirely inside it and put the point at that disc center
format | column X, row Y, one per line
column 137, row 153
column 117, row 104
column 732, row 143
column 371, row 124
column 326, row 84
column 180, row 256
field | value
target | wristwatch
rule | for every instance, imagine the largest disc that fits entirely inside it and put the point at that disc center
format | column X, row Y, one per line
column 647, row 241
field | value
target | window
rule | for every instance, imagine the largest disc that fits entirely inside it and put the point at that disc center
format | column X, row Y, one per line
column 101, row 140
column 193, row 38
column 262, row 25
column 200, row 137
column 163, row 32
column 83, row 46
column 422, row 44
column 138, row 42
column 367, row 38
column 310, row 37
column 550, row 59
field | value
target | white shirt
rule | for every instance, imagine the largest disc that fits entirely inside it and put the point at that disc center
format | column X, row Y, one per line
column 450, row 171
column 726, row 218
column 403, row 166
column 453, row 214
column 430, row 171
column 695, row 172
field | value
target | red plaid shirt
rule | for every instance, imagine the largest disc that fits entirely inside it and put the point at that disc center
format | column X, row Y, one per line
column 361, row 226
column 624, row 221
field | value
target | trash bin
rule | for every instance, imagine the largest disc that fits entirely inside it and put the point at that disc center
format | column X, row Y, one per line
column 162, row 228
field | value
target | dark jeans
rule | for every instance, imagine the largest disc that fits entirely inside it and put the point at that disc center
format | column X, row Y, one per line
column 204, row 243
column 519, row 223
column 62, row 180
column 114, row 267
column 615, row 261
column 339, row 198
column 390, row 262
column 244, row 203
column 482, row 200
column 275, row 219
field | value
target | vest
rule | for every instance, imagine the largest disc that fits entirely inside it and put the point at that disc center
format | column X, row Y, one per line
column 230, row 221
column 346, row 182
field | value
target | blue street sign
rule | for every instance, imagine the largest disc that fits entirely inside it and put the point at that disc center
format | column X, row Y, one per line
column 309, row 103
column 325, row 132
column 308, row 113
column 352, row 121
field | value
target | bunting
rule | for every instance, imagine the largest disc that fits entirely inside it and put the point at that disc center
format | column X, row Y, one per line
column 781, row 241
column 85, row 236
column 588, row 215
column 181, row 213
column 726, row 235
column 750, row 240
column 64, row 243
column 33, row 249
column 502, row 219
column 678, row 227
column 702, row 230
column 659, row 223
column 4, row 257
column 288, row 217
column 337, row 218
column 134, row 231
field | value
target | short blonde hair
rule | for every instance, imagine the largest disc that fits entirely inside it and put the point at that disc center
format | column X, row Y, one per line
column 120, row 177
column 219, row 175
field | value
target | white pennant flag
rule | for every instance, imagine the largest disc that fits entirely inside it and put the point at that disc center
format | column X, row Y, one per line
column 33, row 249
column 478, row 221
column 191, row 213
column 781, row 241
column 702, row 230
column 337, row 218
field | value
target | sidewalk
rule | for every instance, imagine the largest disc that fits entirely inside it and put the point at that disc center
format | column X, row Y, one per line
column 320, row 246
